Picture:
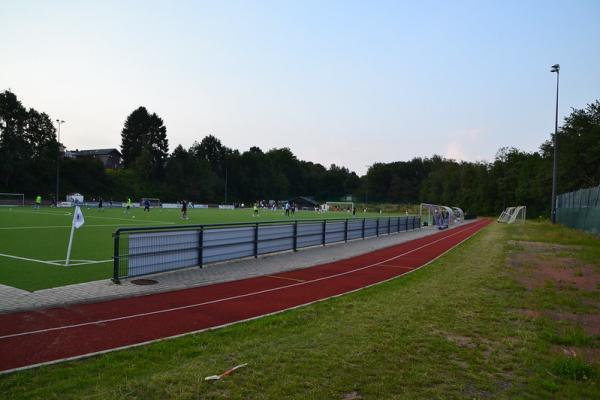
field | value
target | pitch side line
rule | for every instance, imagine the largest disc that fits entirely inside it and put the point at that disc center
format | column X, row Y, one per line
column 91, row 216
column 167, row 310
column 55, row 262
column 29, row 259
column 68, row 226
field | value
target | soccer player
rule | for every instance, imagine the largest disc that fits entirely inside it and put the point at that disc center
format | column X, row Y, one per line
column 147, row 205
column 255, row 210
column 38, row 201
column 184, row 206
column 128, row 206
column 100, row 209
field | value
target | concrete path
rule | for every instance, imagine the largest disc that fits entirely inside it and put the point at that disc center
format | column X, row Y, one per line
column 13, row 299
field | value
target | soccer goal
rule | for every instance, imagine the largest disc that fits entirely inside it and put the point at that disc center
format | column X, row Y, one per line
column 346, row 206
column 12, row 199
column 154, row 203
column 513, row 214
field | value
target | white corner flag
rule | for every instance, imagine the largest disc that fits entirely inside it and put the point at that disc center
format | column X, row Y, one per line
column 78, row 218
column 78, row 221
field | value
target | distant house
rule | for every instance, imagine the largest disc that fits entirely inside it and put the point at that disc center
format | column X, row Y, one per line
column 110, row 158
column 303, row 202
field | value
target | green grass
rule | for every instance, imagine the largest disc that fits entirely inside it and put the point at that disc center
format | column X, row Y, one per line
column 453, row 329
column 44, row 235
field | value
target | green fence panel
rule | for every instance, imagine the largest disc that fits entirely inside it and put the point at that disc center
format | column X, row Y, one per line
column 580, row 209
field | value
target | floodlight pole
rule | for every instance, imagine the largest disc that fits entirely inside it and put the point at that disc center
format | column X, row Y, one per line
column 59, row 122
column 225, row 184
column 555, row 68
column 367, row 185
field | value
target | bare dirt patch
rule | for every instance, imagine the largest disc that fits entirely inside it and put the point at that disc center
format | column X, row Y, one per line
column 591, row 355
column 590, row 323
column 540, row 264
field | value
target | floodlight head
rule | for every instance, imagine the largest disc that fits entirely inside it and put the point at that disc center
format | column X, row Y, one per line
column 555, row 68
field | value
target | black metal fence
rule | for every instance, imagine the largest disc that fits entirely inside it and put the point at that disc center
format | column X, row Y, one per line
column 148, row 250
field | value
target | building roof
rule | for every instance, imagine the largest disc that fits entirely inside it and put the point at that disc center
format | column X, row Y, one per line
column 95, row 152
column 304, row 199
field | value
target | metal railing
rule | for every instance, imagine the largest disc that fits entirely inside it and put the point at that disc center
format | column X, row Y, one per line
column 148, row 250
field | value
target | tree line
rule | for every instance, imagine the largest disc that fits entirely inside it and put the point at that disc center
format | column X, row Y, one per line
column 211, row 172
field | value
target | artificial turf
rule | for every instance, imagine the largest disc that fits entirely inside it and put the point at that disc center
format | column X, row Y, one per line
column 43, row 235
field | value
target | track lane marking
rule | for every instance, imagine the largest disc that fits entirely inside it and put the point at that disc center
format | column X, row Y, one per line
column 282, row 277
column 395, row 266
column 167, row 310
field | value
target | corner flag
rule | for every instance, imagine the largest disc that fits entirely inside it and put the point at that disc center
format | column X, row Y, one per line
column 78, row 221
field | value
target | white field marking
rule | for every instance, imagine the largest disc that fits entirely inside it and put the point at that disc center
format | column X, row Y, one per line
column 67, row 226
column 167, row 310
column 212, row 328
column 58, row 263
column 394, row 266
column 93, row 216
column 29, row 259
column 73, row 263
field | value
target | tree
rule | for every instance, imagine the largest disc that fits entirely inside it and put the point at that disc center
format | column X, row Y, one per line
column 144, row 135
column 211, row 149
column 13, row 145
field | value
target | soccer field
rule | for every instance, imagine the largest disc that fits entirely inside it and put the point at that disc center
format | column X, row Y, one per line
column 33, row 243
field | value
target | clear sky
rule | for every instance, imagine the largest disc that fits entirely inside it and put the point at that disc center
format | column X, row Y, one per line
column 345, row 82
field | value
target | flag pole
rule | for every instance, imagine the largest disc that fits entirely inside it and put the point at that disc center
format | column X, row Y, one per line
column 69, row 248
column 78, row 220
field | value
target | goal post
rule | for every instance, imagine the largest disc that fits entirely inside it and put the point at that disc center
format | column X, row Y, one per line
column 12, row 199
column 513, row 214
column 347, row 206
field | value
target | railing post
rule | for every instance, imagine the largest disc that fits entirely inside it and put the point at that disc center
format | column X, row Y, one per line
column 406, row 224
column 398, row 224
column 324, row 230
column 201, row 247
column 256, row 240
column 377, row 228
column 346, row 230
column 296, row 235
column 389, row 225
column 363, row 228
column 116, row 257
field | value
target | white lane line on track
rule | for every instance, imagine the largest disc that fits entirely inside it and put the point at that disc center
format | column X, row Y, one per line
column 394, row 266
column 283, row 277
column 167, row 310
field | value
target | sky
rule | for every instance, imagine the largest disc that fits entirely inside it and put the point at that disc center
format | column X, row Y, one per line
column 349, row 83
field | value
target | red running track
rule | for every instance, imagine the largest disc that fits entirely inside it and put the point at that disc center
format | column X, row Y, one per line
column 29, row 339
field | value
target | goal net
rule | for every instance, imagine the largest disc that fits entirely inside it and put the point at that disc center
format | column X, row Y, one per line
column 12, row 199
column 154, row 202
column 513, row 214
column 344, row 206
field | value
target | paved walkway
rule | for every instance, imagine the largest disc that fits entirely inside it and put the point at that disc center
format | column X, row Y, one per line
column 12, row 299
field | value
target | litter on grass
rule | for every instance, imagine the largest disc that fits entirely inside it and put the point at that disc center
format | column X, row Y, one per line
column 224, row 374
